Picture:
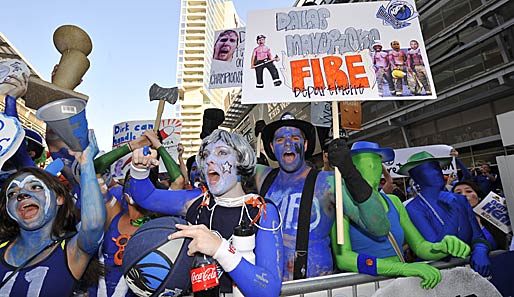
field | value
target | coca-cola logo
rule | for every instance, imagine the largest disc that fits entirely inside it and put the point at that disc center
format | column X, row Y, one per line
column 203, row 276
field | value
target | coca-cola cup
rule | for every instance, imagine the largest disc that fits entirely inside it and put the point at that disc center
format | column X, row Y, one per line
column 204, row 276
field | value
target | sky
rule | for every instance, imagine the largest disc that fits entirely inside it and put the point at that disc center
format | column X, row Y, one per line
column 134, row 46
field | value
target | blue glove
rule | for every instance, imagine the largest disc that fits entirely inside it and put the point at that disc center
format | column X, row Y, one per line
column 480, row 259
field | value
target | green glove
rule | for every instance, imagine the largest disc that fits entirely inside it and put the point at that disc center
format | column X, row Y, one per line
column 453, row 246
column 431, row 276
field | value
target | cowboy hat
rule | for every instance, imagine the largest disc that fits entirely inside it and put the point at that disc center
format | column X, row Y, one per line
column 372, row 147
column 288, row 120
column 422, row 157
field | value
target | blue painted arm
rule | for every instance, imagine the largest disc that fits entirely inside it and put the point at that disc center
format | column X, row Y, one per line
column 480, row 247
column 466, row 174
column 170, row 202
column 21, row 158
column 264, row 278
column 92, row 213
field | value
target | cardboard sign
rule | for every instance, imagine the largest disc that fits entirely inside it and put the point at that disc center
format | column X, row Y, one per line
column 494, row 209
column 328, row 52
column 402, row 155
column 124, row 132
column 227, row 58
column 11, row 136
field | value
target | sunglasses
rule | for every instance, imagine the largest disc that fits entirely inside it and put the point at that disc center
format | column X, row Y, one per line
column 121, row 242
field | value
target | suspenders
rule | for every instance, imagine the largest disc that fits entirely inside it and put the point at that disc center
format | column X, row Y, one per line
column 304, row 219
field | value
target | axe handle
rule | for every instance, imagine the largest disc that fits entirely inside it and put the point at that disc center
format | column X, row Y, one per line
column 157, row 123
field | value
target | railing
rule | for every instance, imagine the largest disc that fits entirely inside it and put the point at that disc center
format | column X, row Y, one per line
column 324, row 285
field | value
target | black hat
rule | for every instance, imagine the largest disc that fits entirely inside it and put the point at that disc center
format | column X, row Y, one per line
column 260, row 36
column 288, row 120
column 212, row 118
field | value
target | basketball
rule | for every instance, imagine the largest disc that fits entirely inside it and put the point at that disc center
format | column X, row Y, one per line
column 152, row 264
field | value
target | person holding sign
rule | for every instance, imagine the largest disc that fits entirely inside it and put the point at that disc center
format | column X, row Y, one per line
column 495, row 237
column 437, row 213
column 307, row 199
column 262, row 58
column 382, row 255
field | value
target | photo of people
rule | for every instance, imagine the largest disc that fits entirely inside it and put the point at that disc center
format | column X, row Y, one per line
column 403, row 70
column 262, row 58
column 226, row 45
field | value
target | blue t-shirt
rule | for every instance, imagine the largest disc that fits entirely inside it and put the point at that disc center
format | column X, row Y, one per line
column 50, row 277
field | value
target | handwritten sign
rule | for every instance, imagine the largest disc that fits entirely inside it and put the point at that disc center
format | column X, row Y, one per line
column 402, row 155
column 227, row 59
column 11, row 136
column 494, row 209
column 125, row 132
column 327, row 52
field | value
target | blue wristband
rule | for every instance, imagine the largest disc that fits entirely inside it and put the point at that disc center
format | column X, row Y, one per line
column 367, row 264
column 146, row 150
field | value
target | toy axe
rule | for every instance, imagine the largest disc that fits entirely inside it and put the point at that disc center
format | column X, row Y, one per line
column 169, row 95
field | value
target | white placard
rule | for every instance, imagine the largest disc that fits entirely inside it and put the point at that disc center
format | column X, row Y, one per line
column 494, row 209
column 124, row 132
column 324, row 53
column 402, row 155
column 227, row 59
column 11, row 136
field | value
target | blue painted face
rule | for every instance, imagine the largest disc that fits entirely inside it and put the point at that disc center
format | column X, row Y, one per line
column 220, row 168
column 194, row 175
column 30, row 202
column 289, row 147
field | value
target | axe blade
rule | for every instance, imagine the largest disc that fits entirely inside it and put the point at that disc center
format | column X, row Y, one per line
column 170, row 95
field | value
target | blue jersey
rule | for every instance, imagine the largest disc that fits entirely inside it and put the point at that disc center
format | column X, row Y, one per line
column 379, row 246
column 50, row 277
column 113, row 284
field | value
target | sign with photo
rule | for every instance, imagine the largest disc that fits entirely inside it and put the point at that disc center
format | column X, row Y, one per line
column 350, row 51
column 125, row 132
column 227, row 59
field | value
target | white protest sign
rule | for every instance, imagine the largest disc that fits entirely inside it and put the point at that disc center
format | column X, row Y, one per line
column 327, row 52
column 402, row 155
column 11, row 68
column 494, row 209
column 11, row 136
column 127, row 131
column 455, row 282
column 227, row 58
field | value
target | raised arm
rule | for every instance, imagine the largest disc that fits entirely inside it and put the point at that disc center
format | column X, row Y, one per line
column 361, row 204
column 85, row 244
column 141, row 189
column 176, row 178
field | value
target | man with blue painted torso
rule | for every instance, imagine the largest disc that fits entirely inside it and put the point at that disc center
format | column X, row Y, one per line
column 290, row 142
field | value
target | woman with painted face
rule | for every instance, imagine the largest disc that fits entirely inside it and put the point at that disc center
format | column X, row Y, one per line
column 43, row 254
column 496, row 238
column 226, row 163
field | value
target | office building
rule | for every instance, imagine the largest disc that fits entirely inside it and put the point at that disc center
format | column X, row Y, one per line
column 199, row 19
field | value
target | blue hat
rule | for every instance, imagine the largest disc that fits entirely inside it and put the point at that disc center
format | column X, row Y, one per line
column 372, row 147
column 34, row 136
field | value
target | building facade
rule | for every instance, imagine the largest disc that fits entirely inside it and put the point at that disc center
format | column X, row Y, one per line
column 470, row 45
column 199, row 19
